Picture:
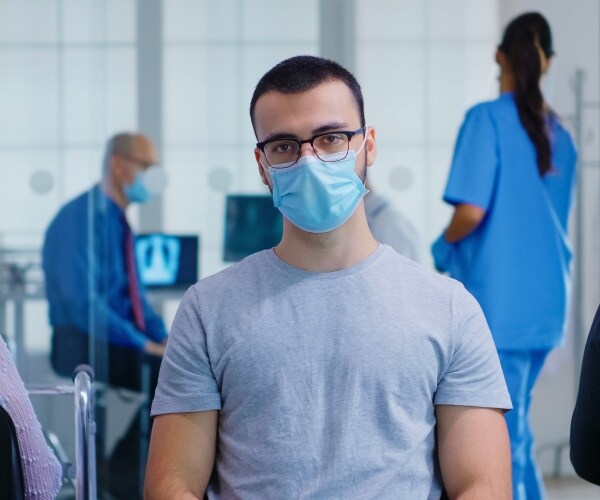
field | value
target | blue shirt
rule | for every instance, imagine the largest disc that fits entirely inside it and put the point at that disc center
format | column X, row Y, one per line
column 517, row 262
column 86, row 276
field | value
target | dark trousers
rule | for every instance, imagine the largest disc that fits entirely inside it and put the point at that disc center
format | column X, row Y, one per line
column 118, row 366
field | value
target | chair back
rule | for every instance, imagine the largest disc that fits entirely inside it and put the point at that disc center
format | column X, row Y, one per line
column 12, row 486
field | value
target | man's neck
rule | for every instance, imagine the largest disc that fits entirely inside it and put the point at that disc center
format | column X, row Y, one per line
column 110, row 189
column 326, row 252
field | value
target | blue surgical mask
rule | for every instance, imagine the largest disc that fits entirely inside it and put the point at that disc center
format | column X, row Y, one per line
column 315, row 195
column 136, row 192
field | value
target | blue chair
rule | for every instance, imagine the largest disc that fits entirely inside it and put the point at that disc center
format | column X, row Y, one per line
column 12, row 485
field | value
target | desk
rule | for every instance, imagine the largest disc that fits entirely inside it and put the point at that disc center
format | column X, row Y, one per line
column 24, row 282
column 15, row 287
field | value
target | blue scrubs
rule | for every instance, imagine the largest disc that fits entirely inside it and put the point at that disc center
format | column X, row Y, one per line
column 517, row 262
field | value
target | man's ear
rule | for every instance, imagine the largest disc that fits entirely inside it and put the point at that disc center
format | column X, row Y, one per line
column 116, row 168
column 261, row 169
column 370, row 146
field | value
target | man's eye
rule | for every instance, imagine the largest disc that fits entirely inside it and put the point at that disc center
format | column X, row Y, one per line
column 332, row 138
column 281, row 147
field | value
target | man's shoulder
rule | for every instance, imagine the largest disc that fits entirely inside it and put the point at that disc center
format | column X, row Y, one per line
column 414, row 273
column 74, row 207
column 68, row 223
column 235, row 275
column 261, row 271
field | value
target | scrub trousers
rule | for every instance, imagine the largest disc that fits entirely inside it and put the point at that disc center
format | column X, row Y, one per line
column 521, row 370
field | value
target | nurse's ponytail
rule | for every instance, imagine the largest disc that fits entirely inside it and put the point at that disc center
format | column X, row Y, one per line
column 522, row 40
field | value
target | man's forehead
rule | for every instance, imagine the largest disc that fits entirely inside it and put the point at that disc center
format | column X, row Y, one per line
column 142, row 147
column 330, row 101
column 140, row 142
column 322, row 90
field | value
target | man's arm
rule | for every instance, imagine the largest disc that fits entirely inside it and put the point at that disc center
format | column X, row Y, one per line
column 181, row 456
column 474, row 452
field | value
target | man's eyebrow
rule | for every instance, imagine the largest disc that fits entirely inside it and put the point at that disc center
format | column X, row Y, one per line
column 319, row 130
column 279, row 135
column 330, row 126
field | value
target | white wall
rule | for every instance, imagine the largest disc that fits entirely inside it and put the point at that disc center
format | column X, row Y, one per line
column 215, row 53
column 422, row 65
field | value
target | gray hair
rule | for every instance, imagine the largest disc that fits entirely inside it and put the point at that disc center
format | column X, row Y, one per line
column 118, row 143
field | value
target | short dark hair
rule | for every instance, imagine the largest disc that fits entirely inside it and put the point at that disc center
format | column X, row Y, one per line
column 302, row 73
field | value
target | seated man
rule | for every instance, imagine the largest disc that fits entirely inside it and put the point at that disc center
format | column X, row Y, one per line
column 329, row 366
column 98, row 310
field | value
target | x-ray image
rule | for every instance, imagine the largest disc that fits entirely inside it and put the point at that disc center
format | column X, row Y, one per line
column 167, row 260
column 158, row 259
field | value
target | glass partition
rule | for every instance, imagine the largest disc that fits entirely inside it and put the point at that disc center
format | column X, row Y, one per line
column 214, row 54
column 69, row 82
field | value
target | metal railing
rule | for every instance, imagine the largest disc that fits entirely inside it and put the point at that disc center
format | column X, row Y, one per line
column 83, row 393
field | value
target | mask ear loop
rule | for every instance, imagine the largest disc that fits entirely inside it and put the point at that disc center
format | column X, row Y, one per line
column 364, row 182
column 363, row 142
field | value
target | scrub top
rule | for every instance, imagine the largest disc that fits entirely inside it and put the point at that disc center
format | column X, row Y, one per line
column 517, row 262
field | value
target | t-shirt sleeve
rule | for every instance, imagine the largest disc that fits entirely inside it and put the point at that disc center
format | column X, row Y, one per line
column 475, row 161
column 186, row 382
column 473, row 375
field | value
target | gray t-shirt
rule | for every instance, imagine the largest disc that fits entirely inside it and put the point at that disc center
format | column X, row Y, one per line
column 327, row 382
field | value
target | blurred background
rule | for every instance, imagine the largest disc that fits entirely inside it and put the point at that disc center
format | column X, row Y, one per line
column 74, row 72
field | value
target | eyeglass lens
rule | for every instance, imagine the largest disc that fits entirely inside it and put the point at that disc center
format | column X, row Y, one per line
column 287, row 151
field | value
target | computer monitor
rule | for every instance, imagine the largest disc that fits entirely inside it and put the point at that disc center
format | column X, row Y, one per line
column 167, row 260
column 252, row 224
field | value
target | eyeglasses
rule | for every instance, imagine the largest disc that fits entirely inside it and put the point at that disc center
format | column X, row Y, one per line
column 328, row 146
column 134, row 159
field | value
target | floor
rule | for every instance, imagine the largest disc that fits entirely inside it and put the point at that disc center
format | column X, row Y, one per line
column 567, row 488
column 571, row 488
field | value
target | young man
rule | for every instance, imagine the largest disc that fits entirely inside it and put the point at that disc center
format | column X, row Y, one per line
column 329, row 366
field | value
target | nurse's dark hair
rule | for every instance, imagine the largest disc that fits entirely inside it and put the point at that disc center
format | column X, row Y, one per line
column 302, row 73
column 522, row 39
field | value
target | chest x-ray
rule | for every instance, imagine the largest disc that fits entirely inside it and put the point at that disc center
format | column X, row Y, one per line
column 167, row 260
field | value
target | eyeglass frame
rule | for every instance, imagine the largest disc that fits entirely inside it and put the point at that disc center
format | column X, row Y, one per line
column 348, row 133
column 145, row 164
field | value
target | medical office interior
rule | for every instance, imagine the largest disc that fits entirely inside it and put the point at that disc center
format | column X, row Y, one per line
column 75, row 72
